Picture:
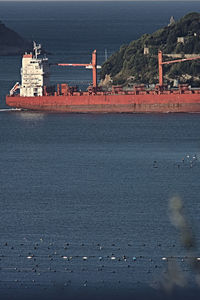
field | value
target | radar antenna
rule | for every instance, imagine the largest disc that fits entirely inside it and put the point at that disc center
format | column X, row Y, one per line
column 36, row 49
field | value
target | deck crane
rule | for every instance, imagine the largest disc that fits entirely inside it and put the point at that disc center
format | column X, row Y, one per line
column 92, row 65
column 161, row 63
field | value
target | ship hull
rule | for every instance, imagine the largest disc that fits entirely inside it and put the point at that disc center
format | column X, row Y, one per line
column 160, row 103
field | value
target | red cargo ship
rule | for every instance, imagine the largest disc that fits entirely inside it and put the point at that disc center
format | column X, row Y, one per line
column 36, row 94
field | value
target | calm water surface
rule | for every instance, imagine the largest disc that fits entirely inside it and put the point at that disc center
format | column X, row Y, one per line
column 87, row 185
column 84, row 198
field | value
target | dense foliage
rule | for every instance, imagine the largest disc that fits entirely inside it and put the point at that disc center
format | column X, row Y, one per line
column 130, row 64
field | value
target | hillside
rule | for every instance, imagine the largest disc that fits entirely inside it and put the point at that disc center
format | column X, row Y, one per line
column 11, row 43
column 131, row 65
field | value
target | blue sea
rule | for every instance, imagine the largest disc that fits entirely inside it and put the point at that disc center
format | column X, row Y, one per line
column 85, row 198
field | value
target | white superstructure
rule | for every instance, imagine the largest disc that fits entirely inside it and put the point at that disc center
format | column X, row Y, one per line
column 34, row 74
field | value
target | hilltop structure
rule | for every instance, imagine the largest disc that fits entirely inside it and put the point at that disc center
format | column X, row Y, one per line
column 137, row 62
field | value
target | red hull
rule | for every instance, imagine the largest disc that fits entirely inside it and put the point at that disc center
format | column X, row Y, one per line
column 104, row 103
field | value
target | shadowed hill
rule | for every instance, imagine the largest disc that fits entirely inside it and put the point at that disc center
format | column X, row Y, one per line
column 131, row 65
column 11, row 43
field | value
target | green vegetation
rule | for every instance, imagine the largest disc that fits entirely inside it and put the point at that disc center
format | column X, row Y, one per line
column 130, row 65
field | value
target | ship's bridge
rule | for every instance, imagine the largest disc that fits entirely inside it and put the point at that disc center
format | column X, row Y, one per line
column 34, row 74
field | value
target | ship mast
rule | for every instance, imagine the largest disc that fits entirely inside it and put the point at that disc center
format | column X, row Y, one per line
column 37, row 49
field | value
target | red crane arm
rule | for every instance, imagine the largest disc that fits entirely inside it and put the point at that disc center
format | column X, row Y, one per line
column 93, row 65
column 161, row 63
column 179, row 60
column 74, row 65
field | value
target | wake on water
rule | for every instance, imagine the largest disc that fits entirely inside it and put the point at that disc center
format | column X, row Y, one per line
column 10, row 109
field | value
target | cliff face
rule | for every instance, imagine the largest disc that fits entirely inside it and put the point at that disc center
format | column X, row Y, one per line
column 11, row 43
column 137, row 62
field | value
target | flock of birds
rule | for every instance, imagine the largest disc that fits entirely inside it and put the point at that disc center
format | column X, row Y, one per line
column 44, row 259
column 187, row 161
column 49, row 258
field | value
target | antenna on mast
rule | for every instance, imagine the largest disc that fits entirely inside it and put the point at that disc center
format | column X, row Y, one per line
column 36, row 49
column 106, row 54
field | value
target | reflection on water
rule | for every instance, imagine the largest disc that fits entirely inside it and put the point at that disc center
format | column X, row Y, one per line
column 31, row 115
